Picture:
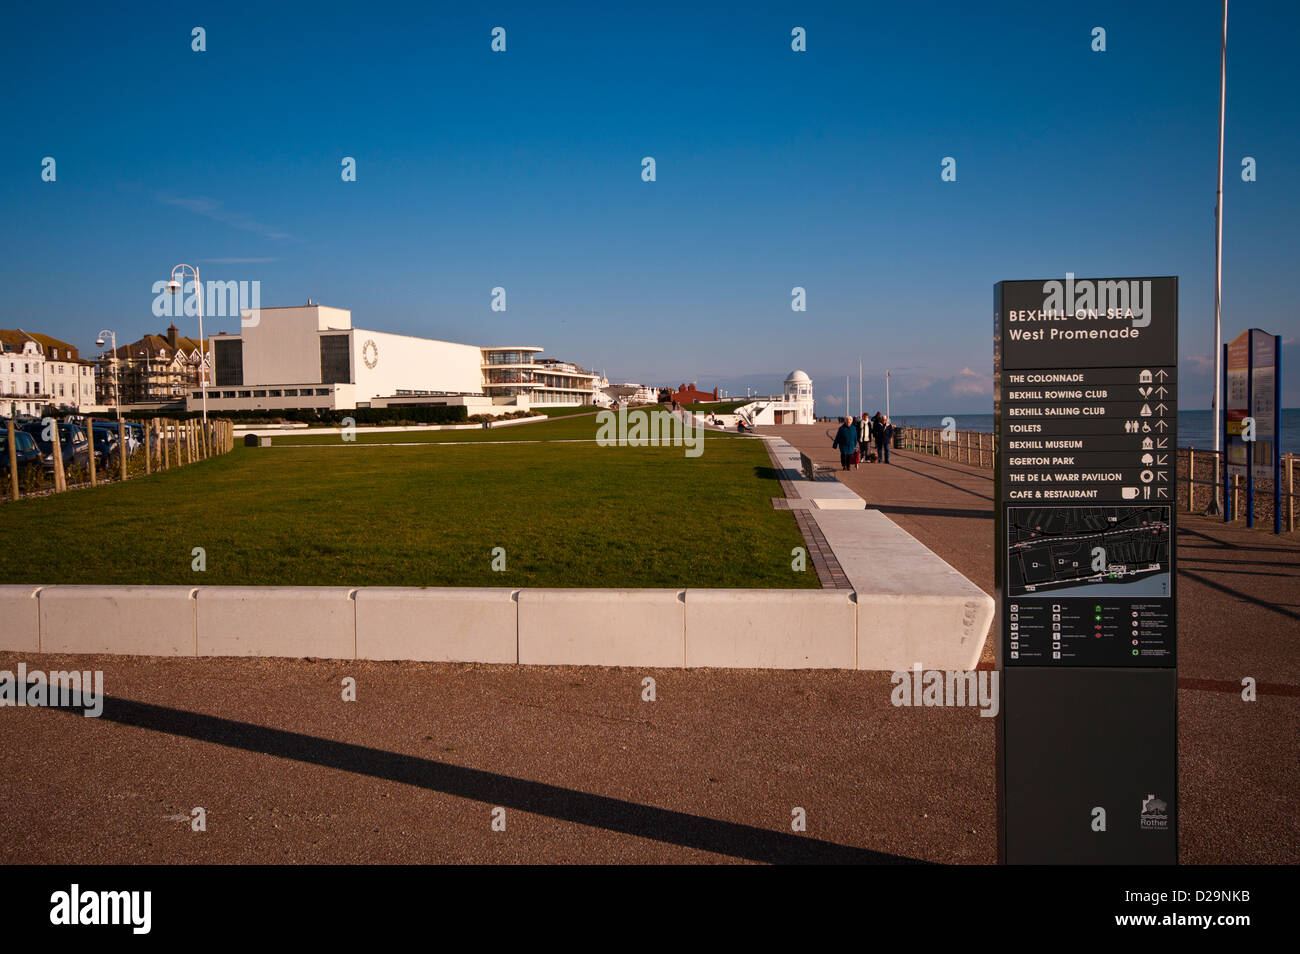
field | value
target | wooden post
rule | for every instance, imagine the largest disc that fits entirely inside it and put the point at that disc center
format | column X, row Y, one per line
column 1291, row 493
column 13, row 460
column 60, row 478
column 90, row 436
column 1236, row 495
column 148, row 447
column 121, row 446
column 1191, row 479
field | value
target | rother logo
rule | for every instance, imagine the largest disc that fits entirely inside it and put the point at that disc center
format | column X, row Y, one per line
column 1155, row 814
column 1108, row 299
column 103, row 907
column 652, row 429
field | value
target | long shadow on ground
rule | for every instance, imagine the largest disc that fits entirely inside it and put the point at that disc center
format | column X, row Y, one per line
column 539, row 798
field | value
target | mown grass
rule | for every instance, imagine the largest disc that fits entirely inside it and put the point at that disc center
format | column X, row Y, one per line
column 566, row 514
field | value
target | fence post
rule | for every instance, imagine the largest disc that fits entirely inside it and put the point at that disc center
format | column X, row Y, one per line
column 13, row 459
column 90, row 462
column 148, row 450
column 60, row 478
column 121, row 447
column 1291, row 494
column 1191, row 479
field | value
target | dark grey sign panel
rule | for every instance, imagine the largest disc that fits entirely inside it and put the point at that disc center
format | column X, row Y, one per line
column 1085, row 409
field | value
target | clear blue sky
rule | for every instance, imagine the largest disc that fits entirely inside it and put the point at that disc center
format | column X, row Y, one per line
column 775, row 169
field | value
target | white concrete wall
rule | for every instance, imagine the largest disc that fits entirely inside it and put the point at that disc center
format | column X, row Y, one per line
column 20, row 623
column 414, row 364
column 651, row 628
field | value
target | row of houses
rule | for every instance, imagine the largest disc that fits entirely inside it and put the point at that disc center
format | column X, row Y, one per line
column 37, row 370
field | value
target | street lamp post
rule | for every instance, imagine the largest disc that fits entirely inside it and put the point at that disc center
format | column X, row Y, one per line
column 178, row 288
column 117, row 384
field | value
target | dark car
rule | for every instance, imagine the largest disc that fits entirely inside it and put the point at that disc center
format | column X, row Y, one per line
column 105, row 445
column 134, row 436
column 29, row 455
column 72, row 439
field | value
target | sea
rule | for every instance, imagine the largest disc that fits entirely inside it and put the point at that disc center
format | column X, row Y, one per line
column 1194, row 427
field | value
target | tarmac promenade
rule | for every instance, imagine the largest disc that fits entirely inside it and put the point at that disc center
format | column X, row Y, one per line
column 588, row 770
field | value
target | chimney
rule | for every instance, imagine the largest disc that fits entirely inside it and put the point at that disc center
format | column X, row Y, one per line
column 171, row 337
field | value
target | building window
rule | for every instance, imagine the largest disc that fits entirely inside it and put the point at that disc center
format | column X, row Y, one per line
column 275, row 393
column 245, row 393
column 290, row 392
column 323, row 392
column 335, row 359
column 230, row 362
column 259, row 394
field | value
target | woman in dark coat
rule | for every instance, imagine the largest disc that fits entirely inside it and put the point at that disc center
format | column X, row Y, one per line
column 846, row 439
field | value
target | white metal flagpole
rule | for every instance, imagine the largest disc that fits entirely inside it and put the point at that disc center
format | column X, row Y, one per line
column 887, row 377
column 1213, row 509
column 859, row 386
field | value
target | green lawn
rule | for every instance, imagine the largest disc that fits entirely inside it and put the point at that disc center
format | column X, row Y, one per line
column 567, row 514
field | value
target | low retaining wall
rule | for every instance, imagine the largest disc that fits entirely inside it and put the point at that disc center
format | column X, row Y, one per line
column 276, row 431
column 661, row 628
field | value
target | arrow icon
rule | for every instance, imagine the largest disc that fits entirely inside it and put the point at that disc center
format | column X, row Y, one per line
column 1160, row 409
column 1162, row 476
column 1162, row 425
column 1160, row 492
column 1161, row 391
column 1162, row 460
column 1162, row 442
column 1161, row 375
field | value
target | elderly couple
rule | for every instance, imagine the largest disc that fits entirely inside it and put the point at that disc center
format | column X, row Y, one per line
column 850, row 435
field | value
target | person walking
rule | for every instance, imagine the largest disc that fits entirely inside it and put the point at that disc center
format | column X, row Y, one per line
column 846, row 439
column 886, row 438
column 878, row 427
column 864, row 439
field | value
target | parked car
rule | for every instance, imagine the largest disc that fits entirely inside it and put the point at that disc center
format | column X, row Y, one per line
column 28, row 453
column 76, row 449
column 105, row 445
column 133, row 431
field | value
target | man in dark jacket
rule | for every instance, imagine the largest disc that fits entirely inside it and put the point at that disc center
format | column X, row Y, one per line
column 846, row 439
column 881, row 432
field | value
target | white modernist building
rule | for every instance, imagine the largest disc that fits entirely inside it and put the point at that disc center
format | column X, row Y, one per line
column 795, row 406
column 310, row 356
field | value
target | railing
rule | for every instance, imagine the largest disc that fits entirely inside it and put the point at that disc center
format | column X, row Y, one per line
column 980, row 450
column 963, row 447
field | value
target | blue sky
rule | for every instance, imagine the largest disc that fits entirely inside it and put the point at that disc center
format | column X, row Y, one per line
column 774, row 169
